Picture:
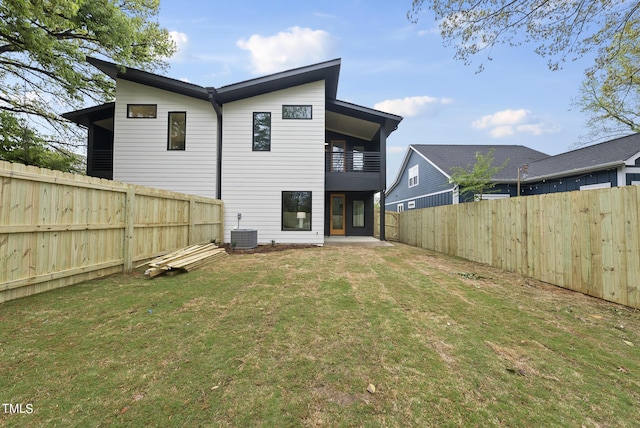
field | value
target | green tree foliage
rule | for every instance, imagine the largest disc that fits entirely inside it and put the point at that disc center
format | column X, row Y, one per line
column 43, row 50
column 20, row 144
column 476, row 179
column 611, row 92
column 560, row 31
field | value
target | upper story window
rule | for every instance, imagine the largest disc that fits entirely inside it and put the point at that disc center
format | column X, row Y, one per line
column 297, row 112
column 142, row 111
column 413, row 176
column 177, row 132
column 261, row 131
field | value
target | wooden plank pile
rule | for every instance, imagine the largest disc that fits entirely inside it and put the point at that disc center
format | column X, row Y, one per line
column 185, row 259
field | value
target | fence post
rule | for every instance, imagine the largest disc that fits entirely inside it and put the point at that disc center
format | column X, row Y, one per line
column 192, row 228
column 129, row 228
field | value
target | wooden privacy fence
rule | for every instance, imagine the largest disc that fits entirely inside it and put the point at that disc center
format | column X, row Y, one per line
column 586, row 241
column 391, row 224
column 58, row 229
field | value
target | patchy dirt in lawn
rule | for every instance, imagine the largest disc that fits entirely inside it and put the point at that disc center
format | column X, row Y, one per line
column 268, row 248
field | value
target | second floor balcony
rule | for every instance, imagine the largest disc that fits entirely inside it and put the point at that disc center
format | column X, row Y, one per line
column 353, row 171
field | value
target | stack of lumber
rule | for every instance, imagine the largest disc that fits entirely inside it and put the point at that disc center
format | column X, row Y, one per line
column 185, row 259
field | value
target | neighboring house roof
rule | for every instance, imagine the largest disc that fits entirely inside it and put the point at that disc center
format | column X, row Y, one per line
column 447, row 156
column 600, row 156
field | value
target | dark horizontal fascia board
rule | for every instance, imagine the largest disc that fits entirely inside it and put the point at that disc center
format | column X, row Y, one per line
column 328, row 71
column 116, row 71
column 85, row 116
column 388, row 120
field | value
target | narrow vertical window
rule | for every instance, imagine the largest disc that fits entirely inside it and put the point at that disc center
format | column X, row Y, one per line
column 358, row 213
column 177, row 131
column 261, row 132
column 413, row 176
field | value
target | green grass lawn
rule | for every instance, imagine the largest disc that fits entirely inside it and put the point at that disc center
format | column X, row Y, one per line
column 294, row 338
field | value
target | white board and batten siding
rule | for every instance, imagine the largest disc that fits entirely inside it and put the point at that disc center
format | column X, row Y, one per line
column 253, row 182
column 140, row 154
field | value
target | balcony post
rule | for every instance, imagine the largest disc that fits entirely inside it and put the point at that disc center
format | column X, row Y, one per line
column 383, row 179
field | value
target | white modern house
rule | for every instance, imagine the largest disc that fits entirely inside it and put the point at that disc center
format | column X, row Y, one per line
column 281, row 150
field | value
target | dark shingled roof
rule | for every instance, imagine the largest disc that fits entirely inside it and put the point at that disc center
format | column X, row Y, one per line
column 447, row 156
column 598, row 156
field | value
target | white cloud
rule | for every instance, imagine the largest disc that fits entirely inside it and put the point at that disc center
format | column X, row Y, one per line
column 413, row 106
column 510, row 122
column 182, row 41
column 395, row 149
column 292, row 48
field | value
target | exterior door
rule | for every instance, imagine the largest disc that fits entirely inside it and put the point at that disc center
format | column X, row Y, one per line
column 337, row 212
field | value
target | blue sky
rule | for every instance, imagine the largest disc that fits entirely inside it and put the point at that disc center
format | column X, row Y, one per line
column 389, row 64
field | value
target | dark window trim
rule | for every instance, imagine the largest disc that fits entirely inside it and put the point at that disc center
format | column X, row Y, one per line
column 353, row 214
column 169, row 130
column 142, row 117
column 253, row 128
column 297, row 105
column 282, row 211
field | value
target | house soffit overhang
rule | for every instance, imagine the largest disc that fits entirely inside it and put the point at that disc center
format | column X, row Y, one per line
column 101, row 115
column 358, row 121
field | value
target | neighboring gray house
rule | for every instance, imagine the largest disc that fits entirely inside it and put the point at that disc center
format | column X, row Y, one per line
column 423, row 177
column 296, row 162
column 609, row 164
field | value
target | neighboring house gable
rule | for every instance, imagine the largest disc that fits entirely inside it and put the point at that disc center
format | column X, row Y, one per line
column 608, row 164
column 436, row 163
column 431, row 189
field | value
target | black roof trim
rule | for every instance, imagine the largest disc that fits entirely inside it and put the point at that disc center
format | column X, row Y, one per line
column 87, row 115
column 388, row 120
column 150, row 79
column 329, row 71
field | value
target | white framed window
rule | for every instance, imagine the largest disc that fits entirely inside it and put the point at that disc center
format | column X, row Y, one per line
column 413, row 176
column 400, row 207
column 411, row 205
column 595, row 186
column 635, row 183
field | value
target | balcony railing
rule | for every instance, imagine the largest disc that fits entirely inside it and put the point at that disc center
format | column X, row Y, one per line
column 338, row 162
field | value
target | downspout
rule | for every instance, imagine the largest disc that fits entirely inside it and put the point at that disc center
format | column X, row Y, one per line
column 218, row 109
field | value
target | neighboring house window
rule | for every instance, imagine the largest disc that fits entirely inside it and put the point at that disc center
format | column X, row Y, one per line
column 177, row 130
column 411, row 205
column 142, row 111
column 595, row 186
column 358, row 213
column 261, row 132
column 413, row 176
column 297, row 112
column 400, row 207
column 296, row 210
